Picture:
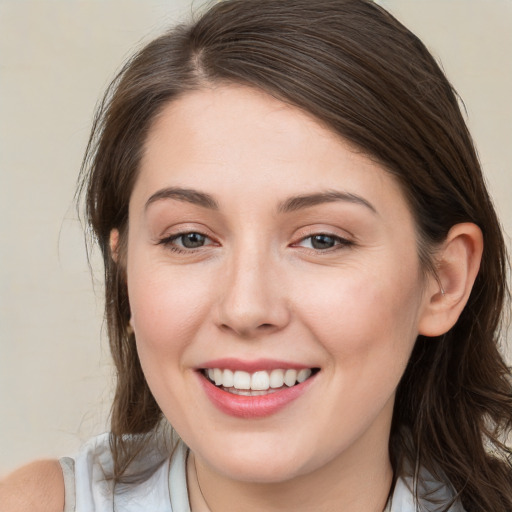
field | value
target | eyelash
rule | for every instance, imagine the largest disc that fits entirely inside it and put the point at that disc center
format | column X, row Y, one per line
column 338, row 242
column 169, row 242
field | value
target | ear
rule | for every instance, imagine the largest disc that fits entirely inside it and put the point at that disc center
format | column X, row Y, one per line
column 458, row 262
column 114, row 244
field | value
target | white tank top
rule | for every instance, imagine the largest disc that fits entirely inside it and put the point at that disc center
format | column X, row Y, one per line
column 165, row 490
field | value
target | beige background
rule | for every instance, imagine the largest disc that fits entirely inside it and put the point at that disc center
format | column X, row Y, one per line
column 56, row 56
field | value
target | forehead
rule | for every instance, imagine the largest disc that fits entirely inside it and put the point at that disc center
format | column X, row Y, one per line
column 243, row 118
column 241, row 140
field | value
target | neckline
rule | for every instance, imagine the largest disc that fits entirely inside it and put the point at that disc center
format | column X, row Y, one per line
column 401, row 499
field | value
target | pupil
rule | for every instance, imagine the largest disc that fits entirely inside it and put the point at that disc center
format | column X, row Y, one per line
column 192, row 240
column 322, row 242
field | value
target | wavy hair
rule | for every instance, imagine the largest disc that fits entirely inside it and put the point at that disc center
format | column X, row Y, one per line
column 361, row 73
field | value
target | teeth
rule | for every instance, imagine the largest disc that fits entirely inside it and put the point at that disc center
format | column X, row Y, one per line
column 258, row 381
column 228, row 379
column 277, row 379
column 241, row 380
column 290, row 377
column 304, row 374
column 218, row 376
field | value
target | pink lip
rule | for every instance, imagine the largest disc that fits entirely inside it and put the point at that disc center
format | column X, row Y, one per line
column 252, row 406
column 252, row 366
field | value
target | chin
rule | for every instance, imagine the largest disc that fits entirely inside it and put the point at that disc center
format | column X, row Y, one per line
column 265, row 462
column 261, row 471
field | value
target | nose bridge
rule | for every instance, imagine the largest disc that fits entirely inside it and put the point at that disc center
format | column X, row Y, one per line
column 253, row 300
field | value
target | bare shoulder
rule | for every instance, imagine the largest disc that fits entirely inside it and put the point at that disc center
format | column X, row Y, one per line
column 38, row 487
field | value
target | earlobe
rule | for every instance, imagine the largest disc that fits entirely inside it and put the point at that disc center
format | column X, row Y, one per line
column 458, row 262
column 129, row 328
column 114, row 244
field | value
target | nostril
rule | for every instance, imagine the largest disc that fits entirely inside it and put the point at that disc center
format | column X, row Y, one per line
column 247, row 331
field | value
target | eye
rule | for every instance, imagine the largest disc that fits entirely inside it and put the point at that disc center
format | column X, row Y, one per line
column 323, row 242
column 191, row 240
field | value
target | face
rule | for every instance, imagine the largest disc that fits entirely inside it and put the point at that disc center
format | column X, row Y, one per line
column 274, row 285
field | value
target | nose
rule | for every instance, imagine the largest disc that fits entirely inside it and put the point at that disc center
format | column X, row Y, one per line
column 253, row 301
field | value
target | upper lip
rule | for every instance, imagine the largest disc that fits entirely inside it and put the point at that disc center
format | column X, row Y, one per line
column 252, row 366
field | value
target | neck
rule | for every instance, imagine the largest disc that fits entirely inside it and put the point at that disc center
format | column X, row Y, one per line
column 356, row 481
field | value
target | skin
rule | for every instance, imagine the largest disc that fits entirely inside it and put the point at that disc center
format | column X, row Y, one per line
column 258, row 288
column 38, row 487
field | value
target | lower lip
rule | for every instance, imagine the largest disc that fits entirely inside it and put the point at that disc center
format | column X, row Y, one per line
column 259, row 406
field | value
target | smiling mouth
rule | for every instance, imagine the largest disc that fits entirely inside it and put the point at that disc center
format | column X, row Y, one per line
column 258, row 383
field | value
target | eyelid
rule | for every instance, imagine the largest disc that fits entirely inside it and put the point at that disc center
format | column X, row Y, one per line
column 319, row 229
column 176, row 236
column 172, row 233
column 339, row 240
column 182, row 228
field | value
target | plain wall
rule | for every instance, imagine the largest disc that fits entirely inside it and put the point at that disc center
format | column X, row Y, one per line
column 56, row 57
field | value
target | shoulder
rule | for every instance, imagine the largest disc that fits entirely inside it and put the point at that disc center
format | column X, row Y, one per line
column 432, row 492
column 38, row 487
column 144, row 485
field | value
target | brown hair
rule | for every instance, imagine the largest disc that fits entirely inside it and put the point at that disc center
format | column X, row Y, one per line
column 361, row 73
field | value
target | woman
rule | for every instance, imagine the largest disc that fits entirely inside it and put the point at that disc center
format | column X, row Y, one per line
column 304, row 275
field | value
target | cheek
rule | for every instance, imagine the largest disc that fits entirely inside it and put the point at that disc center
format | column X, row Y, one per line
column 359, row 314
column 167, row 306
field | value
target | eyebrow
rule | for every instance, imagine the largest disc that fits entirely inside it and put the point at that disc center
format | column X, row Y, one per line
column 308, row 200
column 289, row 205
column 184, row 194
